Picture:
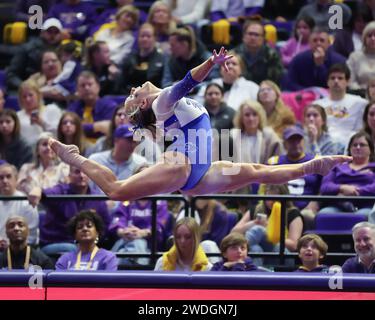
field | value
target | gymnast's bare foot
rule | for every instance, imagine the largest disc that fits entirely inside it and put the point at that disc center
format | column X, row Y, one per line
column 67, row 153
column 323, row 165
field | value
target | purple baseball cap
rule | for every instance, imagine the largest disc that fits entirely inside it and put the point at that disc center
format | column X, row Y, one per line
column 293, row 131
column 123, row 131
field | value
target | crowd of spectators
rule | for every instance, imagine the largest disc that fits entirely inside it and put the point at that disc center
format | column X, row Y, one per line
column 70, row 80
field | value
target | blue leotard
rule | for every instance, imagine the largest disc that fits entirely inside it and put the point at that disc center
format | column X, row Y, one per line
column 188, row 122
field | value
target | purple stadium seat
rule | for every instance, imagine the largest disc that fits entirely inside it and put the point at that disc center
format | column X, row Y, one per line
column 11, row 102
column 342, row 222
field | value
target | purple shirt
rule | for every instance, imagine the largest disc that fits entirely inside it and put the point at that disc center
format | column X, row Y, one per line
column 291, row 49
column 78, row 18
column 363, row 179
column 352, row 265
column 307, row 185
column 103, row 260
column 247, row 266
column 303, row 72
column 58, row 213
column 103, row 110
column 140, row 216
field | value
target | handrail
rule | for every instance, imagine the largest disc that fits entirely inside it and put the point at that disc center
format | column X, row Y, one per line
column 154, row 253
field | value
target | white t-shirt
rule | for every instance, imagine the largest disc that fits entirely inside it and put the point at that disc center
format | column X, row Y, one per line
column 344, row 117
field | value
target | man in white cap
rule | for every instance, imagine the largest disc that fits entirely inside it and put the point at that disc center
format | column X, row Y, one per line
column 27, row 60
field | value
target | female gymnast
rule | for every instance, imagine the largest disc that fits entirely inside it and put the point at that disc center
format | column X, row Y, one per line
column 183, row 169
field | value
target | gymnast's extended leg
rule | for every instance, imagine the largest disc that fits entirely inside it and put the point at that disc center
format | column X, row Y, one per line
column 227, row 176
column 166, row 176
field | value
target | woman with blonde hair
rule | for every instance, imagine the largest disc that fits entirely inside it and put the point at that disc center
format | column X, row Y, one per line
column 46, row 171
column 362, row 62
column 279, row 116
column 34, row 116
column 160, row 16
column 254, row 141
column 186, row 254
column 120, row 37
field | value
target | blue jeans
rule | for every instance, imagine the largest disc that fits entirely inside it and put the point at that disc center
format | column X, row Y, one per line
column 55, row 248
column 137, row 245
column 258, row 242
column 332, row 210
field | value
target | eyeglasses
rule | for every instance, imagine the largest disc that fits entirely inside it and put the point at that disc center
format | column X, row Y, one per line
column 265, row 90
column 359, row 145
column 254, row 34
column 68, row 122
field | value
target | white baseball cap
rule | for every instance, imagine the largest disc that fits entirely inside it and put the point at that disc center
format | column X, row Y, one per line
column 52, row 22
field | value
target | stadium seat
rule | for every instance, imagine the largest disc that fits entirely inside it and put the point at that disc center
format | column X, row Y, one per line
column 11, row 102
column 336, row 230
column 342, row 222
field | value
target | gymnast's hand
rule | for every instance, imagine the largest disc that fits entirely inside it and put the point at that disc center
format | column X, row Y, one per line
column 221, row 57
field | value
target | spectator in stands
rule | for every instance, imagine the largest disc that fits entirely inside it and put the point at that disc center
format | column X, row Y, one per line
column 145, row 63
column 234, row 249
column 317, row 139
column 362, row 62
column 186, row 53
column 369, row 120
column 120, row 38
column 34, row 116
column 352, row 179
column 344, row 111
column 13, row 148
column 364, row 245
column 86, row 227
column 8, row 184
column 63, row 86
column 213, row 219
column 186, row 254
column 299, row 41
column 45, row 171
column 236, row 87
column 293, row 139
column 53, row 236
column 261, row 61
column 2, row 98
column 310, row 68
column 370, row 92
column 19, row 254
column 132, row 228
column 235, row 8
column 371, row 4
column 279, row 116
column 255, row 227
column 121, row 158
column 27, row 60
column 221, row 115
column 108, row 15
column 76, row 18
column 160, row 16
column 69, row 131
column 311, row 250
column 99, row 63
column 349, row 39
column 94, row 111
column 50, row 68
column 147, row 147
column 188, row 12
column 255, row 142
column 21, row 9
column 319, row 11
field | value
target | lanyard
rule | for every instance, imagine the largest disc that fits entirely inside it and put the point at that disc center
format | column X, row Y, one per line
column 78, row 262
column 27, row 258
